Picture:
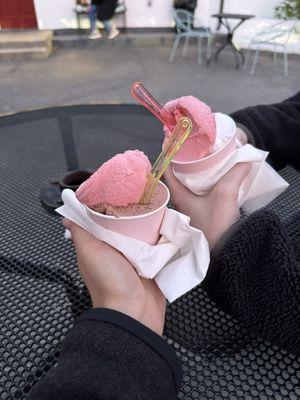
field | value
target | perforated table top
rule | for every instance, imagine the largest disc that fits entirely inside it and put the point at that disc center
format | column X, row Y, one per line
column 40, row 288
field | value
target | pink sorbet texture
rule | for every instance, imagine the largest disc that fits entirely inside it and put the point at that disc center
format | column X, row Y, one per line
column 118, row 182
column 202, row 138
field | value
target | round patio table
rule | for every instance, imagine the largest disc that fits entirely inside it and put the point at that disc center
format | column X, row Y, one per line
column 41, row 292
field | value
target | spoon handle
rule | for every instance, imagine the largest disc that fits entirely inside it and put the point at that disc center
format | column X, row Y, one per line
column 141, row 94
column 179, row 135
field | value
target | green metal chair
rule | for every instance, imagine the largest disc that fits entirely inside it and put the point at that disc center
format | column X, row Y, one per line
column 186, row 28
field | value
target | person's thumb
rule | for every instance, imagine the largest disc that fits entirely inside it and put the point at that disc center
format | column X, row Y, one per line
column 229, row 185
column 80, row 236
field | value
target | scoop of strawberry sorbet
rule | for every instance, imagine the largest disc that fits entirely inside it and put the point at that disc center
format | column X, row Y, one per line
column 202, row 138
column 118, row 182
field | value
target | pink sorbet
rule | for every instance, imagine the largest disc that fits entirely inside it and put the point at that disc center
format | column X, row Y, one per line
column 202, row 138
column 118, row 182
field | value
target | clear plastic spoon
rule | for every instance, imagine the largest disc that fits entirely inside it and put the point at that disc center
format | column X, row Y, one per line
column 181, row 132
column 141, row 94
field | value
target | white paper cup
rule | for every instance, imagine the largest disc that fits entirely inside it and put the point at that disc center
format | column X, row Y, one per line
column 144, row 227
column 225, row 128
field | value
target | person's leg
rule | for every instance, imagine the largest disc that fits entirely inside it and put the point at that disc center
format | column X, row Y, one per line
column 92, row 13
column 111, row 28
column 108, row 25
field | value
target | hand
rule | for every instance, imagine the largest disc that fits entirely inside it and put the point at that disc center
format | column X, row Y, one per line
column 113, row 283
column 214, row 212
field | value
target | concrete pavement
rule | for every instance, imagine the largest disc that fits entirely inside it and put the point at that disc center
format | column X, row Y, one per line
column 92, row 72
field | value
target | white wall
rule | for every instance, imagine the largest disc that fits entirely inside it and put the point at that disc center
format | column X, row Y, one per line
column 159, row 14
column 58, row 14
column 259, row 8
column 55, row 14
column 141, row 14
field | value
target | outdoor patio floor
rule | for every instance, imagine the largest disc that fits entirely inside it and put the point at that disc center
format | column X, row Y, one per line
column 93, row 72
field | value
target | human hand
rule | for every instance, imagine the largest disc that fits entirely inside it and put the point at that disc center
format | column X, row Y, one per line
column 214, row 212
column 113, row 282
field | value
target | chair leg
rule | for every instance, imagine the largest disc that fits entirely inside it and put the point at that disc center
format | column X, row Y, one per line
column 208, row 50
column 174, row 49
column 286, row 66
column 247, row 58
column 255, row 59
column 199, row 51
column 185, row 47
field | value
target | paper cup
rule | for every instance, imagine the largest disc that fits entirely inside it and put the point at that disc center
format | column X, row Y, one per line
column 225, row 128
column 143, row 227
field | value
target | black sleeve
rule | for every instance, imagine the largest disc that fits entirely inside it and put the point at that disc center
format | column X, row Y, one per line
column 275, row 128
column 255, row 277
column 108, row 355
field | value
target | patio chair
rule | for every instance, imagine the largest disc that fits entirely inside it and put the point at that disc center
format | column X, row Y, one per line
column 185, row 26
column 277, row 36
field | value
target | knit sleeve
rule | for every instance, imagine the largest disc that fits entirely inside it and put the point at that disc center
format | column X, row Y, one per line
column 255, row 277
column 108, row 355
column 275, row 128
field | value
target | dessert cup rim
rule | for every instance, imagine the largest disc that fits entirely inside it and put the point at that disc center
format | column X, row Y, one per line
column 132, row 217
column 207, row 157
column 232, row 138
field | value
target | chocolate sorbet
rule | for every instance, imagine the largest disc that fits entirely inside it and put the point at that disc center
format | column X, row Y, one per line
column 157, row 200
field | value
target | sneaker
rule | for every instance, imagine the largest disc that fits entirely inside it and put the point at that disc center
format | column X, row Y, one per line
column 80, row 8
column 114, row 33
column 95, row 35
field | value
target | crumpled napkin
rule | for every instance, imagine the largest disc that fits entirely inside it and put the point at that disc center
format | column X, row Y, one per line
column 178, row 262
column 262, row 184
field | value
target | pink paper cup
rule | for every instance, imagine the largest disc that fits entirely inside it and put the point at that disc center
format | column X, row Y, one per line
column 144, row 227
column 226, row 125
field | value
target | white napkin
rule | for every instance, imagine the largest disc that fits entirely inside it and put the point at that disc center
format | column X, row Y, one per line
column 261, row 185
column 177, row 263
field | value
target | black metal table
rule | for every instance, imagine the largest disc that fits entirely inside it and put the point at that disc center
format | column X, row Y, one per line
column 237, row 51
column 40, row 288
